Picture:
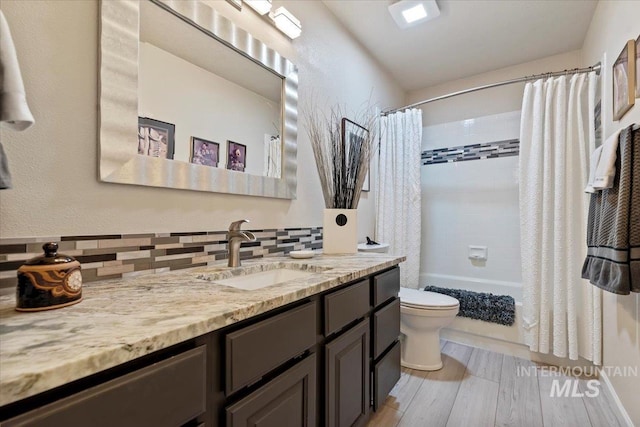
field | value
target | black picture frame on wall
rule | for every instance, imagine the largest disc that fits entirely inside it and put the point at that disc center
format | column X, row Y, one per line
column 638, row 67
column 353, row 136
column 624, row 80
column 156, row 138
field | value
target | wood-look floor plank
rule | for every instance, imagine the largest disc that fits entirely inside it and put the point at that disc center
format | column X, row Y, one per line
column 485, row 364
column 559, row 411
column 475, row 404
column 519, row 395
column 405, row 389
column 601, row 408
column 385, row 416
column 431, row 405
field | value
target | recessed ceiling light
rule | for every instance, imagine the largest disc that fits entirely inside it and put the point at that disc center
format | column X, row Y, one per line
column 414, row 13
column 408, row 13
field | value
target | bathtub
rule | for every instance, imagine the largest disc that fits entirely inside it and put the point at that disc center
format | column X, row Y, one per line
column 501, row 338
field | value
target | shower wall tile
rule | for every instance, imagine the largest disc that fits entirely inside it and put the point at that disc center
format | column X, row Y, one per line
column 463, row 153
column 130, row 255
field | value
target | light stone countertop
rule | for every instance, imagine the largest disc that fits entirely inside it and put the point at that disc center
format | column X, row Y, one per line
column 122, row 319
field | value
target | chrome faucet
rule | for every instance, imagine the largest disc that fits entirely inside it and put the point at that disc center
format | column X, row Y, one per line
column 235, row 236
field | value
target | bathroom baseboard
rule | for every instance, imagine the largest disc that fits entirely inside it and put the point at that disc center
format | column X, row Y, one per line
column 612, row 391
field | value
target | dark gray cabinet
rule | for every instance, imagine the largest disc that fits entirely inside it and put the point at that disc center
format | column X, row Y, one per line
column 287, row 401
column 347, row 378
column 385, row 331
column 166, row 394
column 321, row 361
column 386, row 373
column 256, row 350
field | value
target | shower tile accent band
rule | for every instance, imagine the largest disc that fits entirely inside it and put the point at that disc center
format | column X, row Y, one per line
column 115, row 256
column 462, row 153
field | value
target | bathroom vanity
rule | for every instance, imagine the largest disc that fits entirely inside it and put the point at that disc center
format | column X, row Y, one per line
column 181, row 349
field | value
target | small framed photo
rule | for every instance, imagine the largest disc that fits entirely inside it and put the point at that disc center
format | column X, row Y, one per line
column 156, row 138
column 204, row 152
column 624, row 80
column 236, row 156
column 353, row 138
column 638, row 67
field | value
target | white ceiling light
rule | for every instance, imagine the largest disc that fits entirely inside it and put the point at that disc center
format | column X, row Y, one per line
column 286, row 22
column 261, row 6
column 408, row 13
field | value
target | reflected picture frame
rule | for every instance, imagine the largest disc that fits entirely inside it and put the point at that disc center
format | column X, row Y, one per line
column 156, row 138
column 236, row 156
column 204, row 152
column 624, row 80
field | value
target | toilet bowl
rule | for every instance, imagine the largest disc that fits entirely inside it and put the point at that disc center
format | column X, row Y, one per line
column 422, row 315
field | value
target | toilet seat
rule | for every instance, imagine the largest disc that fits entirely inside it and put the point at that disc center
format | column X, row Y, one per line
column 425, row 300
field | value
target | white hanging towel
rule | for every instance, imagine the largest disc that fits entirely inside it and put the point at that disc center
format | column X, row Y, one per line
column 606, row 170
column 14, row 111
column 593, row 166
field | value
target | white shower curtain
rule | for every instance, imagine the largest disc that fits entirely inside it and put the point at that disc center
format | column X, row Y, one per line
column 561, row 311
column 398, row 204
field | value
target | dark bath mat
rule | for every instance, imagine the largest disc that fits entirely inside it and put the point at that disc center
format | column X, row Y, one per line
column 499, row 309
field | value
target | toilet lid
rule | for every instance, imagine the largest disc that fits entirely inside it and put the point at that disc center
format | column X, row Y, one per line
column 424, row 299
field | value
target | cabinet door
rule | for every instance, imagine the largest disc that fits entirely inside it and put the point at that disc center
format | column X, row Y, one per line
column 347, row 377
column 289, row 400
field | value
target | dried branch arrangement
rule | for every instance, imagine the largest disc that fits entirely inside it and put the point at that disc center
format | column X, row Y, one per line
column 343, row 150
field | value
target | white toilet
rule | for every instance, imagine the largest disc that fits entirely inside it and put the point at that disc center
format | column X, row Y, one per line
column 422, row 315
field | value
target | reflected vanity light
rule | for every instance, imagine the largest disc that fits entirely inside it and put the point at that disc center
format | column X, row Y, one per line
column 286, row 22
column 261, row 6
column 236, row 3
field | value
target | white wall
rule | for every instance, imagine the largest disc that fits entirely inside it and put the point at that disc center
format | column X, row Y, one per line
column 471, row 203
column 54, row 163
column 615, row 22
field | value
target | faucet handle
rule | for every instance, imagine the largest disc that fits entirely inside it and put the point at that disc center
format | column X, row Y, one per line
column 235, row 226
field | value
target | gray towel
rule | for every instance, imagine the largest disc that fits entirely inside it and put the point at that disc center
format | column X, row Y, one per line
column 613, row 233
column 5, row 176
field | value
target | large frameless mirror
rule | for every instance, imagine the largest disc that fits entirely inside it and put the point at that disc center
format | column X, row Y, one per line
column 190, row 101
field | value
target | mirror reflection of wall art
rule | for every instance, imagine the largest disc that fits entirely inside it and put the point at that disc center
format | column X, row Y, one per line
column 624, row 79
column 204, row 152
column 236, row 156
column 638, row 67
column 156, row 138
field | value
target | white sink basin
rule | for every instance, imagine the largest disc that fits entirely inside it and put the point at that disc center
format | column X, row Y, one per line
column 263, row 279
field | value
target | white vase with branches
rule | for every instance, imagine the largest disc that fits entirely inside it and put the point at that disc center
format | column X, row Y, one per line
column 343, row 150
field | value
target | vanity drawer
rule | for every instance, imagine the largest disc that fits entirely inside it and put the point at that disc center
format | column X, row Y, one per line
column 386, row 286
column 344, row 306
column 386, row 374
column 255, row 350
column 169, row 393
column 386, row 327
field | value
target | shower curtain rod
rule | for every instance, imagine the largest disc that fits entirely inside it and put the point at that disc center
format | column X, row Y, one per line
column 595, row 67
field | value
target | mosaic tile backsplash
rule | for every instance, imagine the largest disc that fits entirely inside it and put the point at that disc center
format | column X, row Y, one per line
column 126, row 255
column 488, row 150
